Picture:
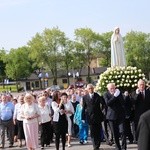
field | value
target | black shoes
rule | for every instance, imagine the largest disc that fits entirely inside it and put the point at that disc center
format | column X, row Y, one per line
column 81, row 142
column 134, row 142
column 10, row 145
column 130, row 142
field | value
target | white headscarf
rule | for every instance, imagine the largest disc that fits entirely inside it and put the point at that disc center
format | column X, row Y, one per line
column 116, row 28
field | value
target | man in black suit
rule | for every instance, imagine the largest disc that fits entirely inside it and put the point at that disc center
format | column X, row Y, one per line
column 116, row 114
column 141, row 101
column 143, row 131
column 93, row 114
column 128, row 116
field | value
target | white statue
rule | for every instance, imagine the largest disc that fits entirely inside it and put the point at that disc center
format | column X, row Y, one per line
column 117, row 49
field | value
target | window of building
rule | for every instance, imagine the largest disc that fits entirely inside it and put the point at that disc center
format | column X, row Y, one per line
column 64, row 81
column 37, row 84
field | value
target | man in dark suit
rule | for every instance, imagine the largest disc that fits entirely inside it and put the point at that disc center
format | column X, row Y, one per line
column 93, row 114
column 143, row 131
column 141, row 101
column 116, row 114
column 128, row 116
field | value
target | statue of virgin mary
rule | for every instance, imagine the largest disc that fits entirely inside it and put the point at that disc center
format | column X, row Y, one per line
column 117, row 49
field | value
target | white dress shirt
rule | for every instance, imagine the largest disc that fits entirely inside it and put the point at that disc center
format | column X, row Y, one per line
column 17, row 112
column 91, row 95
column 45, row 113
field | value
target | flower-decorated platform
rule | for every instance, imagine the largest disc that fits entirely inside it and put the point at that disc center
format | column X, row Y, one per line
column 125, row 78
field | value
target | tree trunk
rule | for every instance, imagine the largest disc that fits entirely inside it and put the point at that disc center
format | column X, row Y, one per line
column 17, row 86
column 55, row 81
column 88, row 77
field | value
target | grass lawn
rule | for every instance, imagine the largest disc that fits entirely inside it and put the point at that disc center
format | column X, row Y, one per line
column 8, row 88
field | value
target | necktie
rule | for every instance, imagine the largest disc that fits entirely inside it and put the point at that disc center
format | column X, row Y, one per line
column 142, row 94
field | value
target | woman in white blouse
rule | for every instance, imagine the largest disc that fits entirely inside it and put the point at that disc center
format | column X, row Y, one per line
column 45, row 123
column 59, row 120
column 30, row 114
column 18, row 120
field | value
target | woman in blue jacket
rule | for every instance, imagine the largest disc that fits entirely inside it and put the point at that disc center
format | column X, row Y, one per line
column 83, row 126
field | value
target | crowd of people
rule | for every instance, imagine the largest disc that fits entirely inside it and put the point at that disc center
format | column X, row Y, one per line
column 72, row 113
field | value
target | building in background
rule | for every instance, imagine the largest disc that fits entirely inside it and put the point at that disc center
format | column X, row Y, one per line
column 77, row 78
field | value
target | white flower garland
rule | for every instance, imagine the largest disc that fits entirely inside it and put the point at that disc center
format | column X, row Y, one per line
column 125, row 78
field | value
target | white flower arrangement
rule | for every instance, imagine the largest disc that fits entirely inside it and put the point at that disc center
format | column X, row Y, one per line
column 125, row 78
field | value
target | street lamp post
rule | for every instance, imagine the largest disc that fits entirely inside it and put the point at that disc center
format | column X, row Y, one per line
column 77, row 74
column 40, row 78
column 46, row 76
column 43, row 79
column 6, row 82
column 74, row 75
column 69, row 74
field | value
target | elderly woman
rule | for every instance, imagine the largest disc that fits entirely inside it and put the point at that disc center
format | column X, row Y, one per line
column 18, row 121
column 30, row 114
column 45, row 121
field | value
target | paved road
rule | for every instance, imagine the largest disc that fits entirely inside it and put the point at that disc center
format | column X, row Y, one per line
column 75, row 146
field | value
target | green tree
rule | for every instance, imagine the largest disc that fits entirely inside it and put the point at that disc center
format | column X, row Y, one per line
column 67, row 57
column 105, row 49
column 2, row 66
column 79, row 57
column 46, row 48
column 137, row 45
column 18, row 65
column 88, row 41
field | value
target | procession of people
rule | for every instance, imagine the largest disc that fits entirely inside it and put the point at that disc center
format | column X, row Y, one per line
column 50, row 115
column 116, row 117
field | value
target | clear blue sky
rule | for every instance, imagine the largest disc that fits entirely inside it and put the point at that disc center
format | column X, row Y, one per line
column 20, row 20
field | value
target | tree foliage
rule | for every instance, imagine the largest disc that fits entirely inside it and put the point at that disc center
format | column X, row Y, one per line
column 53, row 51
column 18, row 65
column 88, row 41
column 46, row 48
column 2, row 65
column 137, row 45
column 105, row 49
column 67, row 56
